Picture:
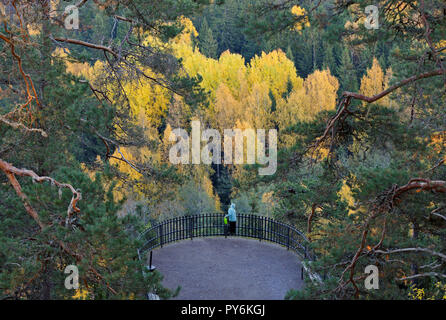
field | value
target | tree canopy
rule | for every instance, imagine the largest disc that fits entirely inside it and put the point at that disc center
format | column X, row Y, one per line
column 87, row 114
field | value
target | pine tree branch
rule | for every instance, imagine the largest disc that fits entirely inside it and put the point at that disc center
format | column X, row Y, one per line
column 402, row 83
column 417, row 249
column 420, row 184
column 438, row 215
column 86, row 44
column 382, row 205
column 428, row 37
column 343, row 111
column 427, row 274
column 29, row 85
column 18, row 125
column 12, row 171
column 439, row 163
column 310, row 217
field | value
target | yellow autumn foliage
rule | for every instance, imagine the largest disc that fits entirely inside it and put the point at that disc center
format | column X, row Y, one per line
column 276, row 70
column 81, row 294
column 376, row 81
column 317, row 94
column 76, row 68
column 241, row 95
column 439, row 293
column 346, row 195
column 300, row 12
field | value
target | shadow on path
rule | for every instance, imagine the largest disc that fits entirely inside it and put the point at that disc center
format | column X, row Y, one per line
column 228, row 269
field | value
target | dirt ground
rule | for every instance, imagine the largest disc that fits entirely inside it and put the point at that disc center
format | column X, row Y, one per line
column 228, row 269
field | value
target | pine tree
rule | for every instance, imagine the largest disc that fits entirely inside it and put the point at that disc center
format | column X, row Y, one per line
column 289, row 53
column 207, row 44
column 221, row 180
column 329, row 60
column 347, row 73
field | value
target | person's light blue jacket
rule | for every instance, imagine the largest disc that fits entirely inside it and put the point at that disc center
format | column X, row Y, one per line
column 231, row 213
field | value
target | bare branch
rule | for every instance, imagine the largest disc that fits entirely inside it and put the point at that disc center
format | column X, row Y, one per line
column 18, row 125
column 432, row 252
column 86, row 44
column 438, row 215
column 439, row 163
column 427, row 274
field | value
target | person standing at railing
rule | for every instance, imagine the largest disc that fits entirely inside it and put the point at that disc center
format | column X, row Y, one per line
column 232, row 217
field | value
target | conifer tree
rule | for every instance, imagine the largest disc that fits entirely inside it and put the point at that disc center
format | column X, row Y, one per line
column 347, row 73
column 289, row 53
column 208, row 45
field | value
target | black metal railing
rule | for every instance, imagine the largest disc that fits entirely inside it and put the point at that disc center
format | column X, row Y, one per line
column 211, row 225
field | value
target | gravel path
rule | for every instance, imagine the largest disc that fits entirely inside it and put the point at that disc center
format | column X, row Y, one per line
column 228, row 269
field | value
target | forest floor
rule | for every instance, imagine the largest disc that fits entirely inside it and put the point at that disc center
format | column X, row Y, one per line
column 228, row 269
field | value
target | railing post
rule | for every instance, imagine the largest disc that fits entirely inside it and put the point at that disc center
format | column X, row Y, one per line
column 288, row 239
column 261, row 229
column 183, row 228
column 250, row 225
column 191, row 224
column 150, row 261
column 161, row 234
column 168, row 230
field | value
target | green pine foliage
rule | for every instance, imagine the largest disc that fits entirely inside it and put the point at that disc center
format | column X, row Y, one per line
column 208, row 45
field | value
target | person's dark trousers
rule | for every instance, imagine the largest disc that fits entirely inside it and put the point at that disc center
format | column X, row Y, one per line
column 232, row 227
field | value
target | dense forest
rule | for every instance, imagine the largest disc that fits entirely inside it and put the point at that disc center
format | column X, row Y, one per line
column 88, row 104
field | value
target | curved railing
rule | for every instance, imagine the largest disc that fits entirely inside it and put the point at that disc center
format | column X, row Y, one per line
column 211, row 225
